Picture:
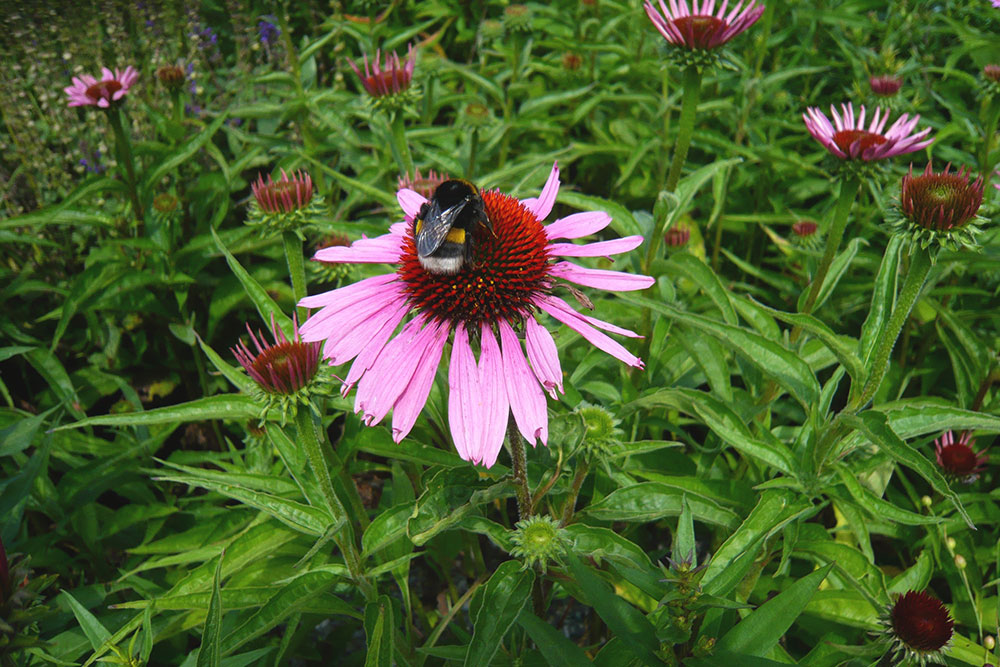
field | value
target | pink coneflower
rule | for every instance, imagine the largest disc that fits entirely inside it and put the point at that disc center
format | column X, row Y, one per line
column 940, row 201
column 886, row 85
column 700, row 26
column 957, row 458
column 389, row 78
column 919, row 626
column 282, row 368
column 508, row 279
column 285, row 195
column 848, row 139
column 89, row 91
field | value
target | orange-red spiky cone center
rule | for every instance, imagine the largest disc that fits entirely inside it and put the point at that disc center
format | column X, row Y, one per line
column 103, row 90
column 846, row 138
column 699, row 31
column 941, row 201
column 509, row 267
column 921, row 621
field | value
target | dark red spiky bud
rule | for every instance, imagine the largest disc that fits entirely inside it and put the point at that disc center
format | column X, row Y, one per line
column 940, row 201
column 920, row 622
column 804, row 228
column 957, row 458
column 285, row 195
column 284, row 367
column 886, row 85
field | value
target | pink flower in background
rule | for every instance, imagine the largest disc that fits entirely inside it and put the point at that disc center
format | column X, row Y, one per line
column 111, row 87
column 847, row 137
column 285, row 194
column 957, row 458
column 507, row 282
column 700, row 26
column 389, row 78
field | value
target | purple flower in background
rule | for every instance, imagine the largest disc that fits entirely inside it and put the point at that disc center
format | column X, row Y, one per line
column 269, row 32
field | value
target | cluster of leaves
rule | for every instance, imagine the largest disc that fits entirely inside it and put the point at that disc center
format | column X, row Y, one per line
column 178, row 532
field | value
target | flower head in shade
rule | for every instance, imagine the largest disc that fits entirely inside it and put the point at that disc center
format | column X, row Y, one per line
column 698, row 26
column 538, row 540
column 283, row 370
column 503, row 289
column 919, row 627
column 991, row 81
column 286, row 204
column 940, row 208
column 957, row 458
column 171, row 76
column 849, row 139
column 331, row 272
column 388, row 82
column 111, row 87
column 885, row 85
column 805, row 233
column 422, row 185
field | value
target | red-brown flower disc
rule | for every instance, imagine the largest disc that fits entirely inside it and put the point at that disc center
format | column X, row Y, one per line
column 700, row 31
column 804, row 228
column 285, row 195
column 284, row 367
column 940, row 201
column 508, row 267
column 886, row 85
column 957, row 458
column 992, row 72
column 921, row 622
column 677, row 236
column 845, row 138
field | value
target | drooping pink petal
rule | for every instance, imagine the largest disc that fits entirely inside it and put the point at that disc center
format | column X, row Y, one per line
column 543, row 355
column 560, row 310
column 598, row 249
column 391, row 373
column 384, row 249
column 413, row 398
column 376, row 341
column 542, row 205
column 465, row 406
column 496, row 407
column 614, row 281
column 527, row 400
column 410, row 201
column 345, row 296
column 578, row 225
column 354, row 330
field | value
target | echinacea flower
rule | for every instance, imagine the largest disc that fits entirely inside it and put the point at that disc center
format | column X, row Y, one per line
column 509, row 279
column 285, row 204
column 388, row 78
column 112, row 86
column 700, row 26
column 919, row 627
column 940, row 207
column 885, row 85
column 847, row 138
column 957, row 458
column 171, row 76
column 283, row 370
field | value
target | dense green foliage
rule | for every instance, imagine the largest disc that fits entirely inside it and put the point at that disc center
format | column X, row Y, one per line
column 759, row 494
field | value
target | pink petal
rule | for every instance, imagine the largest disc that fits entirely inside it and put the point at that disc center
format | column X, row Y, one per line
column 496, row 407
column 598, row 249
column 543, row 355
column 353, row 331
column 616, row 281
column 343, row 296
column 465, row 405
column 391, row 373
column 527, row 400
column 542, row 206
column 373, row 346
column 410, row 201
column 413, row 398
column 578, row 224
column 384, row 249
column 560, row 310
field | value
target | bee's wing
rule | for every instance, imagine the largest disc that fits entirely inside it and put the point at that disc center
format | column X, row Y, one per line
column 435, row 227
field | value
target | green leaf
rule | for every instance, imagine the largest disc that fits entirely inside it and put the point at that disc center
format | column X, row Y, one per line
column 183, row 153
column 707, row 352
column 874, row 425
column 836, row 272
column 772, row 359
column 258, row 295
column 759, row 632
column 880, row 508
column 379, row 628
column 96, row 633
column 883, row 296
column 209, row 655
column 226, row 406
column 625, row 621
column 649, row 501
column 557, row 650
column 292, row 598
column 683, row 548
column 686, row 265
column 494, row 609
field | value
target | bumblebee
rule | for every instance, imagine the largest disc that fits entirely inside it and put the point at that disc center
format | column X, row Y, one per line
column 445, row 226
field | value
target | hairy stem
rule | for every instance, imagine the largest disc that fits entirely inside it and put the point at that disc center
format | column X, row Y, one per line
column 520, row 468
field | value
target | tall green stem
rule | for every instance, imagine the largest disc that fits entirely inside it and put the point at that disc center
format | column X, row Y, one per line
column 520, row 467
column 309, row 439
column 123, row 146
column 848, row 191
column 470, row 172
column 296, row 268
column 400, row 149
column 685, row 125
column 920, row 266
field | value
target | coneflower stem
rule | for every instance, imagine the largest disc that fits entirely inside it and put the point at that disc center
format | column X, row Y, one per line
column 691, row 92
column 848, row 191
column 124, row 149
column 400, row 149
column 913, row 285
column 344, row 539
column 520, row 469
column 570, row 506
column 470, row 172
column 296, row 268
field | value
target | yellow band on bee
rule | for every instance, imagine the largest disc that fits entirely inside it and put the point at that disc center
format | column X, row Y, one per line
column 455, row 235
